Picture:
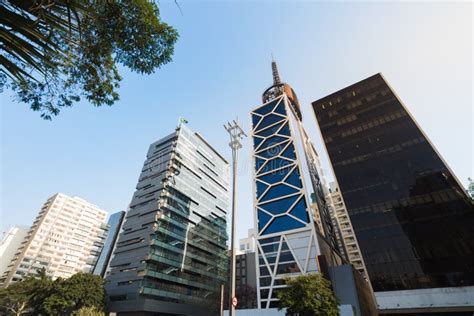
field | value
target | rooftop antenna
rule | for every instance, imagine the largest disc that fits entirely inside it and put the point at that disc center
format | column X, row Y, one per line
column 276, row 75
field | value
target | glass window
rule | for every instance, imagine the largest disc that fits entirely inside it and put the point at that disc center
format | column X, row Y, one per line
column 276, row 176
column 263, row 219
column 273, row 151
column 270, row 131
column 272, row 141
column 269, row 120
column 267, row 108
column 299, row 211
column 279, row 206
column 294, row 178
column 278, row 190
column 281, row 224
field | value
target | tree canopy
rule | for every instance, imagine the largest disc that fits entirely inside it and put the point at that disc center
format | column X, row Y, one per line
column 309, row 295
column 81, row 294
column 53, row 52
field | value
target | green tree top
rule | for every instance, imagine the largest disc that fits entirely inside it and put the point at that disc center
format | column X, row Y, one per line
column 308, row 295
column 81, row 294
column 53, row 52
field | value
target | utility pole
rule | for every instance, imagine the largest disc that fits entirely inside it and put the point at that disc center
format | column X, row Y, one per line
column 236, row 134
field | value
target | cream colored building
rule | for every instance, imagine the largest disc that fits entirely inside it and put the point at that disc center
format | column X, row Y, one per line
column 341, row 218
column 65, row 238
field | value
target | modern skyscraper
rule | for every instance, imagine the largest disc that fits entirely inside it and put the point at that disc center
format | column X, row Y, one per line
column 346, row 238
column 285, row 173
column 171, row 256
column 66, row 238
column 413, row 220
column 114, row 225
column 11, row 242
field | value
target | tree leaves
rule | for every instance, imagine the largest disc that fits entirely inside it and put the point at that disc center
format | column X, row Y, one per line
column 59, row 297
column 309, row 295
column 55, row 52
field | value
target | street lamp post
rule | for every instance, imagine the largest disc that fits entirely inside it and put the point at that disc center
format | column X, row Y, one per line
column 236, row 134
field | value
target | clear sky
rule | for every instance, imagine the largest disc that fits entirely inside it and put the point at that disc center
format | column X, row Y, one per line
column 221, row 67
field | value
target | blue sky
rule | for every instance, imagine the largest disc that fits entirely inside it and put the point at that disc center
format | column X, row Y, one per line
column 220, row 68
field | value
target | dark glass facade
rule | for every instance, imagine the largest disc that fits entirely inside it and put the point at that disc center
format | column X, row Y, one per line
column 113, row 224
column 412, row 218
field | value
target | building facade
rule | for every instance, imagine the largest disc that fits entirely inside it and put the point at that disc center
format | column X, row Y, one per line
column 246, row 280
column 171, row 255
column 347, row 238
column 11, row 242
column 413, row 220
column 247, row 244
column 66, row 237
column 285, row 173
column 114, row 225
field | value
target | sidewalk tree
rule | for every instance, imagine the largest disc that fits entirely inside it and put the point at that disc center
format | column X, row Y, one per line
column 81, row 294
column 14, row 299
column 26, row 294
column 79, row 291
column 53, row 52
column 308, row 295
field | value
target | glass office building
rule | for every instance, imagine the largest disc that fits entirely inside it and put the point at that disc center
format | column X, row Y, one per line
column 412, row 218
column 114, row 224
column 285, row 173
column 171, row 255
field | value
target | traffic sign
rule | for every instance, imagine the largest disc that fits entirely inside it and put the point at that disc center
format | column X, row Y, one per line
column 234, row 301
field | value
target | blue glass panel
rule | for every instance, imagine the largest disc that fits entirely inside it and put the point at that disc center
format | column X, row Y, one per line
column 278, row 191
column 285, row 268
column 294, row 178
column 276, row 176
column 258, row 163
column 257, row 141
column 255, row 120
column 269, row 120
column 272, row 141
column 289, row 152
column 299, row 211
column 285, row 130
column 270, row 248
column 282, row 223
column 261, row 187
column 263, row 219
column 269, row 240
column 273, row 151
column 280, row 108
column 270, row 131
column 286, row 256
column 280, row 206
column 266, row 108
column 274, row 164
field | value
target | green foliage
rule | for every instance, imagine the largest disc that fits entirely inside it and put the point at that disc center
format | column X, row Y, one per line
column 80, row 290
column 55, row 52
column 81, row 294
column 309, row 295
column 15, row 298
column 88, row 311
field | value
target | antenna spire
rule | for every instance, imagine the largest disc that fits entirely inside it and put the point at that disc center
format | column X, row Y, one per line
column 276, row 75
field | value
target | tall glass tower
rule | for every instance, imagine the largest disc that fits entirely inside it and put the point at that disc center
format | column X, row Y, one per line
column 171, row 255
column 413, row 220
column 285, row 173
